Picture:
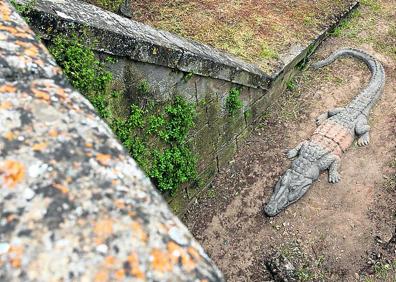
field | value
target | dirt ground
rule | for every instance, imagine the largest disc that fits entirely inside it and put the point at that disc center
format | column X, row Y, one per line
column 258, row 31
column 337, row 232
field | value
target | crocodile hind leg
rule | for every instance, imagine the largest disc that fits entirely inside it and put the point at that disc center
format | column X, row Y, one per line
column 292, row 153
column 362, row 130
column 321, row 118
column 332, row 163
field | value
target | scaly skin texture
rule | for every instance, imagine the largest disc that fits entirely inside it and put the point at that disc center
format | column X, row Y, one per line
column 337, row 129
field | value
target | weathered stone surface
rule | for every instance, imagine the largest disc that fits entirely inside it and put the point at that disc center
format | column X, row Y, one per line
column 231, row 127
column 161, row 81
column 209, row 89
column 225, row 154
column 204, row 144
column 125, row 9
column 73, row 205
column 124, row 37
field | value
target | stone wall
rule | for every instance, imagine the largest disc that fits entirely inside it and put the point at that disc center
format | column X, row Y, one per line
column 171, row 66
column 73, row 205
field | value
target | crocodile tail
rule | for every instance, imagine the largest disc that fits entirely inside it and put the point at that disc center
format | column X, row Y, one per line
column 369, row 60
column 377, row 81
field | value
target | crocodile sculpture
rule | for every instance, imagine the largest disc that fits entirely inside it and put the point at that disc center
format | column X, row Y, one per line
column 337, row 129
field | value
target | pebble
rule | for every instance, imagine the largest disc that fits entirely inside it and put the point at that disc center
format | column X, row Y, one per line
column 28, row 194
column 102, row 249
column 4, row 247
column 177, row 236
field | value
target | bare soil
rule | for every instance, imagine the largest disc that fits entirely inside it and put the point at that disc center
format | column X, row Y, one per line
column 337, row 232
column 258, row 31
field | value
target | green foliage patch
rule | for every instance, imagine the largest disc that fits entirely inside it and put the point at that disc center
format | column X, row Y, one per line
column 110, row 5
column 83, row 69
column 233, row 102
column 157, row 139
column 155, row 136
column 24, row 9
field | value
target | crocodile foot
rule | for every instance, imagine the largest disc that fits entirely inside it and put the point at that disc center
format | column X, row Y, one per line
column 292, row 153
column 363, row 140
column 321, row 118
column 334, row 177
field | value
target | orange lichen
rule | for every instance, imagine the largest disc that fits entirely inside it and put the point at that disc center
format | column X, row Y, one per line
column 135, row 268
column 9, row 135
column 12, row 172
column 178, row 252
column 103, row 159
column 53, row 132
column 194, row 253
column 119, row 204
column 7, row 88
column 102, row 276
column 30, row 49
column 160, row 261
column 103, row 229
column 188, row 263
column 41, row 94
column 5, row 12
column 119, row 274
column 61, row 188
column 110, row 261
column 88, row 145
column 139, row 231
column 15, row 253
column 40, row 146
column 6, row 105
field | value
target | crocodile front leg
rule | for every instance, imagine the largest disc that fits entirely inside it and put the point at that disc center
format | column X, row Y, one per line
column 292, row 153
column 362, row 130
column 332, row 163
column 321, row 118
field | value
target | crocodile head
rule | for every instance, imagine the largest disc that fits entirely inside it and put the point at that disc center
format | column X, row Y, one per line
column 291, row 187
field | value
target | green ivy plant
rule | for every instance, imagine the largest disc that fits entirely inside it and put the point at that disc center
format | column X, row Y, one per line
column 167, row 159
column 154, row 135
column 24, row 9
column 83, row 69
column 233, row 102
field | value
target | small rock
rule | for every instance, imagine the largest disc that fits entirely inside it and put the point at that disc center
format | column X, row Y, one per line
column 102, row 249
column 4, row 247
column 28, row 194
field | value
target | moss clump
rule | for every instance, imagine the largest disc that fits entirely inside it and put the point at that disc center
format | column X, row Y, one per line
column 157, row 141
column 110, row 5
column 155, row 136
column 233, row 102
column 83, row 69
column 24, row 9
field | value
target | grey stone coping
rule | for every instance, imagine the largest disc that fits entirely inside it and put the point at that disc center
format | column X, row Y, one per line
column 73, row 205
column 121, row 36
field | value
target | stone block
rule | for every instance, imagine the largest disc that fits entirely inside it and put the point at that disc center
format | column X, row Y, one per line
column 204, row 144
column 186, row 88
column 204, row 178
column 258, row 108
column 214, row 111
column 250, row 95
column 243, row 136
column 209, row 88
column 161, row 80
column 226, row 154
column 231, row 127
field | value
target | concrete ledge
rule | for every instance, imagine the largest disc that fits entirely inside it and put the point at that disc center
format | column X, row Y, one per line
column 73, row 205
